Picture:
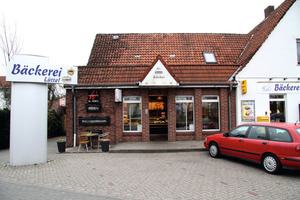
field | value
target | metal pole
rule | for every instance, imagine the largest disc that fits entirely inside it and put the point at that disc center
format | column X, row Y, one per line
column 74, row 114
column 229, row 106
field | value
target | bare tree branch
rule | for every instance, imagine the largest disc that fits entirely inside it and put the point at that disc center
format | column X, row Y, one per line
column 9, row 43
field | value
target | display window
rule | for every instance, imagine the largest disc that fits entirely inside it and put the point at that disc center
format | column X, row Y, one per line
column 132, row 117
column 210, row 113
column 277, row 108
column 184, row 113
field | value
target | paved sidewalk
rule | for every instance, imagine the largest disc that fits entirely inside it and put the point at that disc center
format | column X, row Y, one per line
column 142, row 176
column 146, row 147
column 157, row 147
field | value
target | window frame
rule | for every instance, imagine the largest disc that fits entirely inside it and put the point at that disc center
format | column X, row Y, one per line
column 297, row 130
column 245, row 135
column 207, row 54
column 266, row 130
column 286, row 130
column 298, row 50
column 279, row 100
column 212, row 100
column 186, row 101
column 131, row 101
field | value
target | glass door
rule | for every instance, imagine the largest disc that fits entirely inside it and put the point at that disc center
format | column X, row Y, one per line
column 158, row 116
column 277, row 108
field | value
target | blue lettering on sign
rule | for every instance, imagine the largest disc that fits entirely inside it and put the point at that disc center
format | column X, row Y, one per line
column 51, row 76
column 16, row 69
column 287, row 87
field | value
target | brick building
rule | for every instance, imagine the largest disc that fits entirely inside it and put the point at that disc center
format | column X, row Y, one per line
column 170, row 87
column 145, row 87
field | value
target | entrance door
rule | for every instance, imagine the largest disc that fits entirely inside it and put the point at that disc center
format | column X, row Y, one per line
column 158, row 116
column 277, row 108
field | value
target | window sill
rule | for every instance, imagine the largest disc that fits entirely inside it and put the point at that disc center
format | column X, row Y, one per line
column 206, row 130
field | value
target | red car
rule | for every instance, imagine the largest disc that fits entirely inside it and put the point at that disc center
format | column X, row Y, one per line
column 274, row 145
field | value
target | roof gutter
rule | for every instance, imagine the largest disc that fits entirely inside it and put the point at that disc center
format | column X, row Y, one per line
column 208, row 84
column 116, row 85
column 136, row 85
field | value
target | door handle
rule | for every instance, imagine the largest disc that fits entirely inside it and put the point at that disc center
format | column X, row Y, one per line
column 240, row 140
column 264, row 143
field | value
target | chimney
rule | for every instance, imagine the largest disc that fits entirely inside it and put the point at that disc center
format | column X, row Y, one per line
column 268, row 11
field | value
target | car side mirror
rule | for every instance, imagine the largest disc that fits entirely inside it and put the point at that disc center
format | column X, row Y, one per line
column 225, row 134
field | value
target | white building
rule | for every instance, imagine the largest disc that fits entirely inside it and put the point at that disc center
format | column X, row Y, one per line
column 270, row 66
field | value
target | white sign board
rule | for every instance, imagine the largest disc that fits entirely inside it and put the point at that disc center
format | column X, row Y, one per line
column 159, row 76
column 278, row 87
column 26, row 68
column 62, row 102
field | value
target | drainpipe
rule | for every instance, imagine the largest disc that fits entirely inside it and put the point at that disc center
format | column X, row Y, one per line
column 229, row 105
column 74, row 114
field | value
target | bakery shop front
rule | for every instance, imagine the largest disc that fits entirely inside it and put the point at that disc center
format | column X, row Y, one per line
column 155, row 95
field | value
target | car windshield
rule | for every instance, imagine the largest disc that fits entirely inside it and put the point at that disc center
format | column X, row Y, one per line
column 298, row 131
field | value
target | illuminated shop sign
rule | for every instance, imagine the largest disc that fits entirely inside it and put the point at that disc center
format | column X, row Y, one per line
column 278, row 87
column 25, row 68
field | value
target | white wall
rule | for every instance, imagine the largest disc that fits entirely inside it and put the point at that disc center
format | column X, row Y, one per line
column 28, row 130
column 276, row 59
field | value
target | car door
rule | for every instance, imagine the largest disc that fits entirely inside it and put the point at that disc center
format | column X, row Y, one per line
column 232, row 142
column 256, row 143
column 281, row 143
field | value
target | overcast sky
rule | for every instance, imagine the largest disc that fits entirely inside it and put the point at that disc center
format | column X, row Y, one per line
column 64, row 30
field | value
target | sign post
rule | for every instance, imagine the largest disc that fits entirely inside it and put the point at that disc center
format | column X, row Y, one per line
column 30, row 76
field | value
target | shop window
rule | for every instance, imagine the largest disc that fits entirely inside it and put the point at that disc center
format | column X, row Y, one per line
column 210, row 113
column 277, row 108
column 298, row 50
column 184, row 113
column 132, row 117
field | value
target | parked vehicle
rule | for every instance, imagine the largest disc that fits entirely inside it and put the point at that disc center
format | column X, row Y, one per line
column 272, row 144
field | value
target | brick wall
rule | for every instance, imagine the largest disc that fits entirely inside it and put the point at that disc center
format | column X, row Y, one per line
column 115, row 111
column 108, row 108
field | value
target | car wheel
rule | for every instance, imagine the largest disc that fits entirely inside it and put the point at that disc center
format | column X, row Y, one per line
column 271, row 164
column 214, row 150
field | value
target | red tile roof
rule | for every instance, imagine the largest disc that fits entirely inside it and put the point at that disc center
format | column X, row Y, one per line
column 125, row 60
column 187, row 48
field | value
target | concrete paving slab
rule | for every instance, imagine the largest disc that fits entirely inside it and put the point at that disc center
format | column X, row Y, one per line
column 146, row 147
column 157, row 147
column 143, row 176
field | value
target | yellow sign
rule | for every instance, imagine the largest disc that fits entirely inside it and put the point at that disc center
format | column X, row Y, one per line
column 263, row 118
column 244, row 86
